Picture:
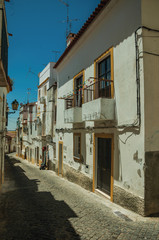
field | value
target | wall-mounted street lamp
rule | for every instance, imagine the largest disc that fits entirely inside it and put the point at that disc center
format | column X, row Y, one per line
column 15, row 105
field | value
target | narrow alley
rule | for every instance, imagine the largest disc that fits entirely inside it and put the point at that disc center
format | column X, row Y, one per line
column 38, row 204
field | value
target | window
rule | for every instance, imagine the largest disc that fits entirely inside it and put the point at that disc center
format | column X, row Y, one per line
column 104, row 74
column 77, row 146
column 31, row 128
column 78, row 89
column 45, row 90
column 39, row 94
column 3, row 105
column 55, row 113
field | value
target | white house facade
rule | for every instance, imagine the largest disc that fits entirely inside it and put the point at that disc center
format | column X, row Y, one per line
column 46, row 115
column 5, row 84
column 107, row 125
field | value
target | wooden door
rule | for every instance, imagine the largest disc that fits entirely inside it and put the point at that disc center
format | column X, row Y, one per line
column 60, row 158
column 104, row 165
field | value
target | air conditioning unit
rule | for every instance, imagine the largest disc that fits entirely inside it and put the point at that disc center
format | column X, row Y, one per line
column 42, row 100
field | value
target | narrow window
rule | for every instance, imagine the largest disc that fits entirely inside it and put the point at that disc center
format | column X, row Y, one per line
column 78, row 89
column 31, row 128
column 3, row 105
column 39, row 94
column 45, row 90
column 77, row 146
column 104, row 75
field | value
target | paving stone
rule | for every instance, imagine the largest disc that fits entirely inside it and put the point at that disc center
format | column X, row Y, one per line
column 38, row 205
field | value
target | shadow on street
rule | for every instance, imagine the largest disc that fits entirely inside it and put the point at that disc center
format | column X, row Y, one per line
column 29, row 214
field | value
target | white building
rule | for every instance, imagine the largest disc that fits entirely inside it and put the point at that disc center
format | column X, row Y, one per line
column 107, row 124
column 36, row 140
column 27, row 132
column 10, row 142
column 46, row 115
column 5, row 84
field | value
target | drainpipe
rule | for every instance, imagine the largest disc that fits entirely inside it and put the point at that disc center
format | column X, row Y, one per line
column 52, row 114
column 138, row 77
column 138, row 70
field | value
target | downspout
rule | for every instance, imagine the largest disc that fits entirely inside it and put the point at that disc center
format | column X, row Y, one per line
column 52, row 114
column 138, row 78
column 138, row 70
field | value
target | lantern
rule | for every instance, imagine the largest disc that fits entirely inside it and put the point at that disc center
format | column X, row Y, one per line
column 15, row 105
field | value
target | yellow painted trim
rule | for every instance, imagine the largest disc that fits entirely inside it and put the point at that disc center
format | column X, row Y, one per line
column 94, row 159
column 81, row 73
column 95, row 74
column 99, row 59
column 83, row 86
column 103, row 135
column 112, row 71
column 60, row 142
column 33, row 160
column 112, row 169
column 43, row 82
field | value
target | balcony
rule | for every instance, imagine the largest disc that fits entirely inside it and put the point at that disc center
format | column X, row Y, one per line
column 73, row 111
column 92, row 103
column 98, row 101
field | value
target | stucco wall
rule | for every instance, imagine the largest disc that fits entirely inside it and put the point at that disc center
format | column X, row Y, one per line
column 150, row 55
column 3, row 90
column 114, row 28
column 150, row 11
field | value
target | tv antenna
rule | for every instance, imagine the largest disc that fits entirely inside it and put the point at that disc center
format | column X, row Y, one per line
column 56, row 53
column 28, row 93
column 67, row 19
column 70, row 25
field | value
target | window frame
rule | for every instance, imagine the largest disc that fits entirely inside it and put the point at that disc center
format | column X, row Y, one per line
column 74, row 145
column 39, row 94
column 3, row 106
column 76, row 77
column 45, row 90
column 97, row 61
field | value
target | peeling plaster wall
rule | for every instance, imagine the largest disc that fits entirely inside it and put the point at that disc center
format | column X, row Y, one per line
column 150, row 10
column 115, row 28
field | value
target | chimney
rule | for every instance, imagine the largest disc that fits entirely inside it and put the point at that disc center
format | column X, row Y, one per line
column 70, row 37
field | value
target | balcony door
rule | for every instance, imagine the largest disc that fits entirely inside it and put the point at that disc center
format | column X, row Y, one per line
column 78, row 91
column 60, row 164
column 104, row 74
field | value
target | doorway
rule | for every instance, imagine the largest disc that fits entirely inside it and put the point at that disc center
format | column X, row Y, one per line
column 37, row 160
column 60, row 158
column 103, row 164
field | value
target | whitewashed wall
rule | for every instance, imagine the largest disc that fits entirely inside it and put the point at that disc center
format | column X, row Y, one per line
column 3, row 90
column 114, row 28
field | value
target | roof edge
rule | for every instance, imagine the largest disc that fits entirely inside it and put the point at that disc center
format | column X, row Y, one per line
column 89, row 21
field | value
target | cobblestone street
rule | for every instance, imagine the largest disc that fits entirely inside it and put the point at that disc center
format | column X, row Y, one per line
column 38, row 204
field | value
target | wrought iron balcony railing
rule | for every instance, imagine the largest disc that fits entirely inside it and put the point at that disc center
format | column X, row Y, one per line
column 100, row 88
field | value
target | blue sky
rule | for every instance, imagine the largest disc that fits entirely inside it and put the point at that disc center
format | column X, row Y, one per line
column 38, row 28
